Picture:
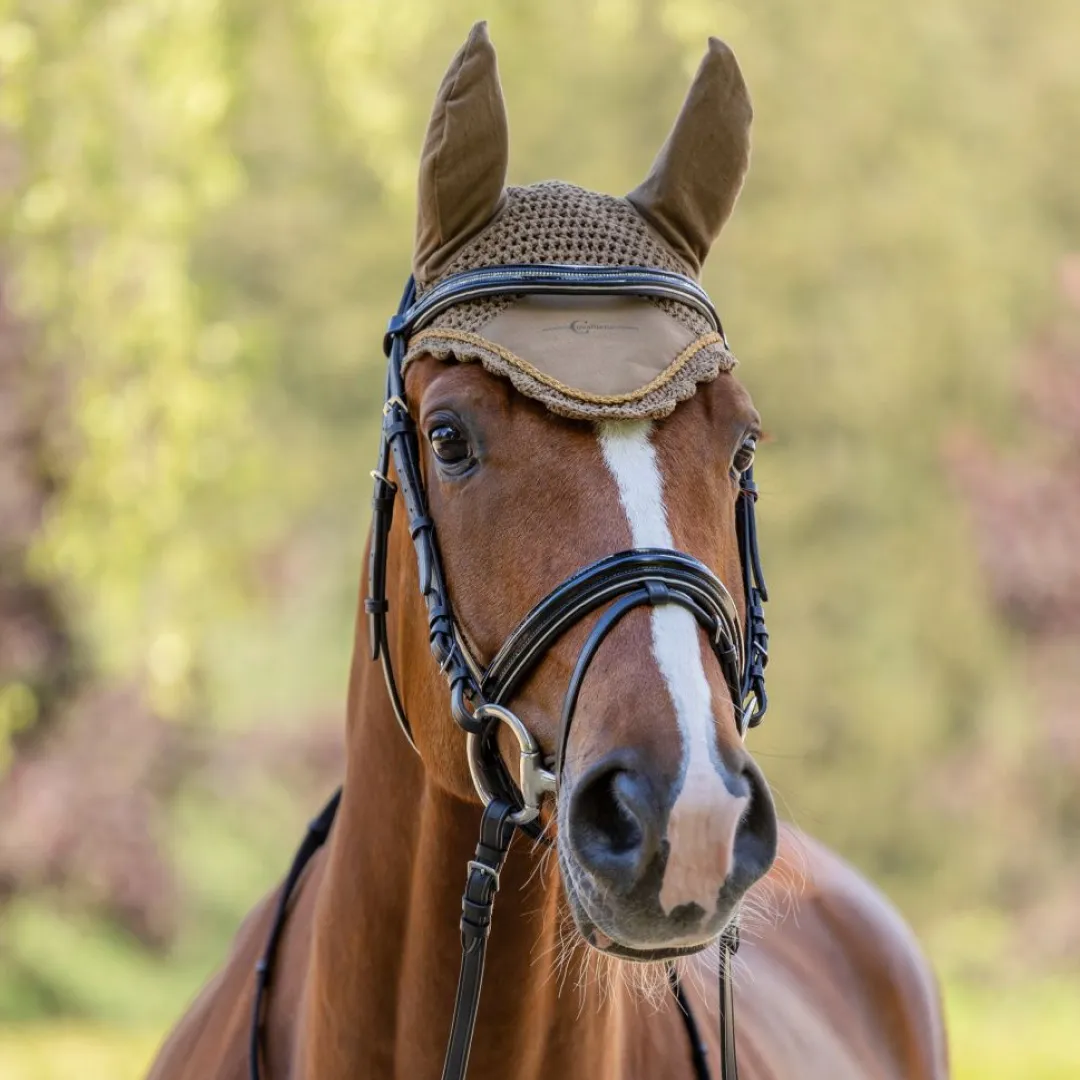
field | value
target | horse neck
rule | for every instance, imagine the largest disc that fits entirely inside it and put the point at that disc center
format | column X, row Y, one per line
column 386, row 948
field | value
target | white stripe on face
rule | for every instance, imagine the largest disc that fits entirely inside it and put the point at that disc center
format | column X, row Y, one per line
column 703, row 820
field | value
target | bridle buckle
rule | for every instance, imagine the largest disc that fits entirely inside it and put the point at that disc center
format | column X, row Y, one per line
column 534, row 779
column 487, row 871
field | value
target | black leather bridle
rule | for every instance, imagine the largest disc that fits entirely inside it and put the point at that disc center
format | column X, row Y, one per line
column 479, row 696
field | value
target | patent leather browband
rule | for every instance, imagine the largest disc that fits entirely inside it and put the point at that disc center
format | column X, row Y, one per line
column 569, row 279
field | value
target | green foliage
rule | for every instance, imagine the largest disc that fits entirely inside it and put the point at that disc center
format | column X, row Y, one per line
column 56, row 1052
column 211, row 215
column 1022, row 1030
column 116, row 111
column 18, row 710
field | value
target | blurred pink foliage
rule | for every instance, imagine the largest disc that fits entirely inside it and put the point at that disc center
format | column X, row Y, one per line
column 78, row 812
column 1026, row 501
column 1025, row 504
column 1022, row 490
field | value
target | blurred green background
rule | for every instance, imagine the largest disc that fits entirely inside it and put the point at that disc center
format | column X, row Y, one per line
column 207, row 215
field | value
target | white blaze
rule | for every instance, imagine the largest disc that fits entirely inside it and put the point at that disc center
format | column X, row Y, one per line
column 702, row 823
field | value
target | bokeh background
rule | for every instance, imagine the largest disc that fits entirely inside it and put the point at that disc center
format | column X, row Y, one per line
column 207, row 215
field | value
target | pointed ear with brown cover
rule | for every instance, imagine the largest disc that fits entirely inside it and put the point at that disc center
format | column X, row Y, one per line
column 463, row 164
column 697, row 176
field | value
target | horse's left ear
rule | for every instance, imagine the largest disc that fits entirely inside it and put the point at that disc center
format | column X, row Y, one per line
column 698, row 174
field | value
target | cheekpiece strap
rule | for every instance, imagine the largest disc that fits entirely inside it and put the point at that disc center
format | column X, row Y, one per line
column 754, row 698
column 481, row 885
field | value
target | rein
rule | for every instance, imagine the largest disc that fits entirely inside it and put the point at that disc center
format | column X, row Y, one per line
column 478, row 696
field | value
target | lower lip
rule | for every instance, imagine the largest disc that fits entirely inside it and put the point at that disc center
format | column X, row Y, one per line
column 600, row 940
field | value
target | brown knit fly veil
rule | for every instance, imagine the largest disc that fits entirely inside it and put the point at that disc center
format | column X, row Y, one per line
column 586, row 357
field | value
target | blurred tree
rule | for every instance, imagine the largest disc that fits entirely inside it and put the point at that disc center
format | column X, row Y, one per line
column 115, row 111
column 37, row 657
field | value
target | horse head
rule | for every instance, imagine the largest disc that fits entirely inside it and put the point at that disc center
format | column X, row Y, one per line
column 552, row 432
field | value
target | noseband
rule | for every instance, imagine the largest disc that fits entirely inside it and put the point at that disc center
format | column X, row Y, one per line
column 479, row 695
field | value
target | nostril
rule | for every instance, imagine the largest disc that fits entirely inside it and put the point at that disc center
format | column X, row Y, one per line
column 757, row 834
column 607, row 808
column 613, row 825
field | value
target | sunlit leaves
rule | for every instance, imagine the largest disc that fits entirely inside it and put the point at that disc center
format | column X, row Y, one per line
column 121, row 157
column 18, row 710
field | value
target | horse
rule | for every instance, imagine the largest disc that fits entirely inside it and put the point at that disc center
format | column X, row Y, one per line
column 562, row 410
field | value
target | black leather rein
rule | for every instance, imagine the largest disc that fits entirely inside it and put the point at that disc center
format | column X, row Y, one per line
column 479, row 696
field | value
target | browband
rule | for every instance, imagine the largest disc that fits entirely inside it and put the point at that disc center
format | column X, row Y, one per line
column 553, row 279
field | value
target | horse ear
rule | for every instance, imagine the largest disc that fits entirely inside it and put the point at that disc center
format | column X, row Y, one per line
column 696, row 178
column 463, row 164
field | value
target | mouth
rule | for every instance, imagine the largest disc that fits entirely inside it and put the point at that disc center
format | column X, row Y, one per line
column 598, row 940
column 596, row 925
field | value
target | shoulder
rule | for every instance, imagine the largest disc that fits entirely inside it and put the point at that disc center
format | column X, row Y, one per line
column 827, row 912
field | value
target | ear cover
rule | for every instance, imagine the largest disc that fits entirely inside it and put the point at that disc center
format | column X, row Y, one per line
column 696, row 178
column 463, row 163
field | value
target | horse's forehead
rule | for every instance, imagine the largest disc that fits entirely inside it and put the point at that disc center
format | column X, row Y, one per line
column 593, row 358
column 705, row 425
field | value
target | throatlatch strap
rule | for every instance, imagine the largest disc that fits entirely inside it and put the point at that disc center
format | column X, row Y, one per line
column 496, row 832
column 699, row 1054
column 756, row 593
column 317, row 832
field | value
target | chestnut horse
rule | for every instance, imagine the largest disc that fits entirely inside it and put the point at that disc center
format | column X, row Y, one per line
column 662, row 827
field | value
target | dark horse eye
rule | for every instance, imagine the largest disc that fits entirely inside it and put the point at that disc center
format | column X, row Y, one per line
column 450, row 444
column 744, row 456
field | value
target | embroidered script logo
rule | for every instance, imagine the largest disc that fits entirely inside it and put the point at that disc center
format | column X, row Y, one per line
column 585, row 326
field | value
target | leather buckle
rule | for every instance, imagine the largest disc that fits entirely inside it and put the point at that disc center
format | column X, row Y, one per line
column 489, row 871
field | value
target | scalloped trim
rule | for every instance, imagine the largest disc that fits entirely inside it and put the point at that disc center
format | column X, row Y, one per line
column 702, row 361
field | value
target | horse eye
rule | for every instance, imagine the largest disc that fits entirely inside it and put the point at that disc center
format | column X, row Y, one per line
column 450, row 444
column 744, row 456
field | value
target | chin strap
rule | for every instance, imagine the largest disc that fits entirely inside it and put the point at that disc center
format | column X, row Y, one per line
column 317, row 832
